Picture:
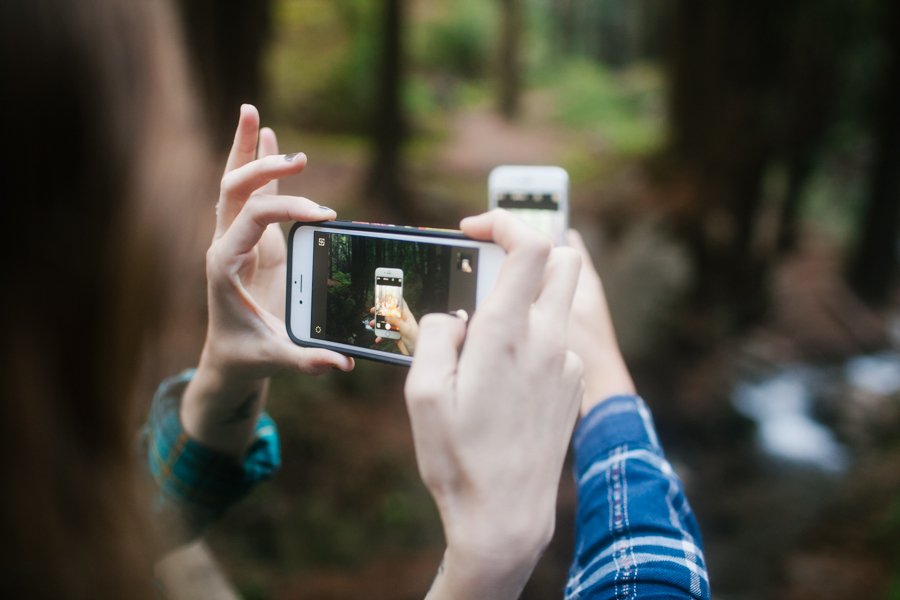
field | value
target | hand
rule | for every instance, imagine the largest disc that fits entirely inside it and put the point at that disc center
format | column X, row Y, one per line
column 492, row 424
column 406, row 324
column 246, row 340
column 592, row 337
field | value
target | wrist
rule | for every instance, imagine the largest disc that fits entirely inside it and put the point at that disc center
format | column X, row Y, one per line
column 220, row 408
column 499, row 575
column 605, row 376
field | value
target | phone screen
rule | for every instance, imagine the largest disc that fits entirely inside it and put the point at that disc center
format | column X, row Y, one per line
column 539, row 210
column 388, row 303
column 348, row 309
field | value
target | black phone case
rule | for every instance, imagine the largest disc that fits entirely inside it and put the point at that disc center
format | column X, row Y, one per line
column 365, row 353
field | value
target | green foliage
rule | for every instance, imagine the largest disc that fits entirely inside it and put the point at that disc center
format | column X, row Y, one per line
column 625, row 107
column 343, row 279
column 323, row 64
column 422, row 102
column 886, row 537
column 834, row 196
column 461, row 42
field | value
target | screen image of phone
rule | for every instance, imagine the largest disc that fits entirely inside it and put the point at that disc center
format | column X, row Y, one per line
column 361, row 289
column 537, row 195
column 388, row 302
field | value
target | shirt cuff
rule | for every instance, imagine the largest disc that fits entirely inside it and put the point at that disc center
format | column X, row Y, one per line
column 202, row 481
column 611, row 424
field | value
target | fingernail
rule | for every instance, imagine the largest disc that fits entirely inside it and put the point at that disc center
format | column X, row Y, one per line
column 325, row 207
column 291, row 157
column 460, row 314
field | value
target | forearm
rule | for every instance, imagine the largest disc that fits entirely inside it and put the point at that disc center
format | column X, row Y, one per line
column 197, row 484
column 635, row 531
column 220, row 409
column 605, row 375
column 464, row 576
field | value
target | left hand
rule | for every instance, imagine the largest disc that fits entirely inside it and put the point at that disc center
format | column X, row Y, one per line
column 592, row 337
column 246, row 341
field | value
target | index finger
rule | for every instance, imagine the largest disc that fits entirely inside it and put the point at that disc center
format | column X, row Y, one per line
column 432, row 375
column 243, row 150
column 526, row 254
column 554, row 301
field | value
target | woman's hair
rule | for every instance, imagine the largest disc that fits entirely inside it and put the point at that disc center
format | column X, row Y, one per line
column 98, row 144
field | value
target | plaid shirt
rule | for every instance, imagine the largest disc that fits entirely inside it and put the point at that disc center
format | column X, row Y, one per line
column 197, row 484
column 636, row 536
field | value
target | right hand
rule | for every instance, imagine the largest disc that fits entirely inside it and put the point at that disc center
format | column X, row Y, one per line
column 492, row 424
column 592, row 337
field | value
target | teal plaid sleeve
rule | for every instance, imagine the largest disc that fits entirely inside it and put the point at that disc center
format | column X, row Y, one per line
column 197, row 484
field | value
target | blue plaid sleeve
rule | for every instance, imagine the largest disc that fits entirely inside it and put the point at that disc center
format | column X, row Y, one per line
column 196, row 485
column 636, row 536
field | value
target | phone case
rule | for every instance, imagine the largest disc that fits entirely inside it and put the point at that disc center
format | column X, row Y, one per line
column 364, row 353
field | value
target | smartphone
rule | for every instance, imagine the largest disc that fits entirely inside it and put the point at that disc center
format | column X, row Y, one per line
column 388, row 302
column 332, row 302
column 537, row 195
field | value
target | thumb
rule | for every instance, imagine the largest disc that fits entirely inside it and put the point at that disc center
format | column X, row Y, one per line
column 432, row 377
column 430, row 392
column 312, row 361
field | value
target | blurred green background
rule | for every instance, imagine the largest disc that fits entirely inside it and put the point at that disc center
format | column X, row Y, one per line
column 735, row 171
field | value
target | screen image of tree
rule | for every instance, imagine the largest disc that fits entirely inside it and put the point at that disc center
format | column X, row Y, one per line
column 435, row 278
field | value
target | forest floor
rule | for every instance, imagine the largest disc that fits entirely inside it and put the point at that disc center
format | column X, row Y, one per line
column 348, row 517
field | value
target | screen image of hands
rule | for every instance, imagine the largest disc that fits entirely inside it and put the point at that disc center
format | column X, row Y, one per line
column 402, row 320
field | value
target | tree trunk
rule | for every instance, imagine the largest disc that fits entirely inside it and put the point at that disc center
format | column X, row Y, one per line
column 385, row 181
column 789, row 219
column 819, row 34
column 722, row 69
column 510, row 67
column 874, row 266
column 226, row 39
column 566, row 17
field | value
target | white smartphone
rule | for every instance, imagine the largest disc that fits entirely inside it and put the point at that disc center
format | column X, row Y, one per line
column 537, row 195
column 331, row 302
column 388, row 302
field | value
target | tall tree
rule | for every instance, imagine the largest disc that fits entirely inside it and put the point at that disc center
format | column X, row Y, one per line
column 723, row 66
column 874, row 266
column 226, row 39
column 389, row 128
column 809, row 88
column 510, row 75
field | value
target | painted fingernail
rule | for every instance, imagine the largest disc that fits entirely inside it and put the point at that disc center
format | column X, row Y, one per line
column 291, row 157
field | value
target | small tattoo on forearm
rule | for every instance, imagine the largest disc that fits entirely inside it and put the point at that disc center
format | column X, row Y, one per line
column 243, row 411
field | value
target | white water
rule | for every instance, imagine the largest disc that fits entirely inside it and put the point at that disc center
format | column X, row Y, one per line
column 781, row 407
